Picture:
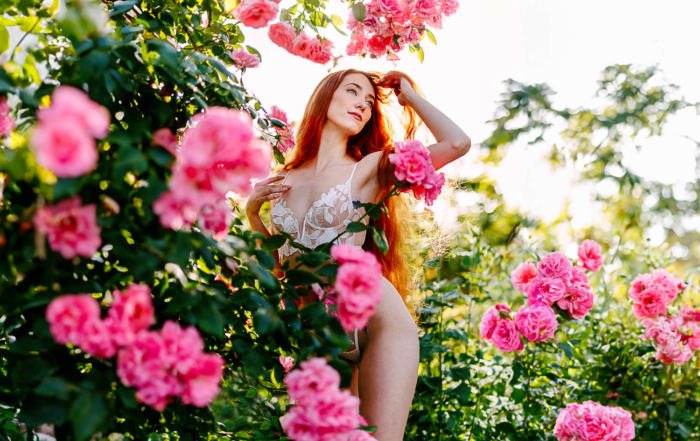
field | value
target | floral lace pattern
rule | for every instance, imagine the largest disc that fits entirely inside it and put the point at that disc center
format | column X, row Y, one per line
column 326, row 218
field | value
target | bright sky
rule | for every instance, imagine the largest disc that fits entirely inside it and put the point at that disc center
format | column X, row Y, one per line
column 565, row 44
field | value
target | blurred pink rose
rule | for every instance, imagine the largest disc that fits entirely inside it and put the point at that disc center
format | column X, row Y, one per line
column 7, row 124
column 388, row 7
column 359, row 291
column 70, row 103
column 377, row 45
column 591, row 421
column 659, row 330
column 536, row 323
column 433, row 186
column 346, row 253
column 689, row 314
column 523, row 275
column 63, row 147
column 578, row 275
column 491, row 318
column 435, row 21
column 282, row 34
column 578, row 300
column 506, row 336
column 97, row 339
column 202, row 380
column 173, row 213
column 302, row 45
column 357, row 45
column 286, row 142
column 256, row 13
column 131, row 312
column 68, row 314
column 427, row 8
column 665, row 282
column 166, row 139
column 244, row 59
column 673, row 351
column 4, row 107
column 545, row 291
column 691, row 336
column 71, row 227
column 448, row 7
column 287, row 363
column 307, row 385
column 182, row 347
column 279, row 114
column 555, row 266
column 650, row 303
column 589, row 254
column 217, row 218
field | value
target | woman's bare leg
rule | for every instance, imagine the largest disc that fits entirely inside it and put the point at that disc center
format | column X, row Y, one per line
column 389, row 367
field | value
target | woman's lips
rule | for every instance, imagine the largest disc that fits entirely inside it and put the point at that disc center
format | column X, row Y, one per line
column 356, row 115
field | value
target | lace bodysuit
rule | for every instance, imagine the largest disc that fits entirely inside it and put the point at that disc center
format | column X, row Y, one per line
column 326, row 218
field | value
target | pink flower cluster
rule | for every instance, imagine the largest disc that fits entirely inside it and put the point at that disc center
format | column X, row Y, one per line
column 316, row 49
column 244, row 59
column 170, row 363
column 322, row 411
column 674, row 336
column 286, row 142
column 358, row 285
column 390, row 25
column 499, row 329
column 219, row 154
column 590, row 421
column 413, row 165
column 256, row 13
column 7, row 124
column 161, row 365
column 71, row 227
column 75, row 319
column 63, row 141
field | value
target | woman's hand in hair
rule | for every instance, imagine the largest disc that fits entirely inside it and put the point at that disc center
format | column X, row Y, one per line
column 402, row 87
column 264, row 191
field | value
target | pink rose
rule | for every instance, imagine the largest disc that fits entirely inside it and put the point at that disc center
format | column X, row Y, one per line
column 523, row 275
column 673, row 351
column 302, row 46
column 491, row 318
column 282, row 34
column 70, row 227
column 68, row 314
column 320, row 51
column 659, row 330
column 427, row 8
column 309, row 384
column 537, row 323
column 449, row 7
column 173, row 213
column 578, row 300
column 578, row 275
column 202, row 380
column 506, row 336
column 691, row 336
column 217, row 218
column 589, row 254
column 166, row 139
column 377, row 45
column 545, row 291
column 256, row 13
column 182, row 348
column 287, row 363
column 286, row 142
column 280, row 115
column 388, row 7
column 63, row 147
column 244, row 59
column 680, row 284
column 435, row 21
column 591, row 421
column 359, row 291
column 433, row 187
column 70, row 103
column 131, row 312
column 357, row 45
column 346, row 253
column 555, row 266
column 665, row 282
column 689, row 314
column 650, row 303
column 96, row 339
column 7, row 125
column 4, row 107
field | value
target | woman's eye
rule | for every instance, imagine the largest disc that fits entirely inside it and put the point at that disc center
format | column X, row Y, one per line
column 369, row 103
column 353, row 91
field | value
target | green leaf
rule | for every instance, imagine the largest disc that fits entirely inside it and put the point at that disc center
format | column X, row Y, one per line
column 122, row 7
column 320, row 19
column 129, row 159
column 356, row 227
column 55, row 387
column 505, row 428
column 517, row 372
column 88, row 414
column 567, row 349
column 209, row 318
column 301, row 277
column 421, row 55
column 39, row 410
column 265, row 277
column 66, row 188
column 359, row 11
column 337, row 20
column 311, row 5
column 273, row 242
column 4, row 39
column 380, row 240
column 431, row 37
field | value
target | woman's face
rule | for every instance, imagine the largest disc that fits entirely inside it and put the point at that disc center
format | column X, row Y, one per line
column 351, row 105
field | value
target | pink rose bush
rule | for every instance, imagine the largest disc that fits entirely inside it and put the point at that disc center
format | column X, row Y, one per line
column 552, row 286
column 286, row 135
column 71, row 227
column 391, row 25
column 165, row 138
column 7, row 124
column 589, row 255
column 590, row 421
column 316, row 49
column 160, row 365
column 244, row 59
column 413, row 165
column 220, row 153
column 322, row 411
column 63, row 140
column 675, row 337
column 256, row 13
column 357, row 285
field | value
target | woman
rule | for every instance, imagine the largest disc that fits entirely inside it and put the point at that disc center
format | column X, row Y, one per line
column 340, row 160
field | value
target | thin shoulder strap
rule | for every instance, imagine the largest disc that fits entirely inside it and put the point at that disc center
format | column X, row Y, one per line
column 286, row 176
column 350, row 181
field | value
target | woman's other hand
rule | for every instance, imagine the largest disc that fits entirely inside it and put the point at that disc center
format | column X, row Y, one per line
column 264, row 191
column 402, row 87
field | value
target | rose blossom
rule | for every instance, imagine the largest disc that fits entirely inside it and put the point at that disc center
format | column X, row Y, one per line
column 545, row 291
column 659, row 330
column 301, row 46
column 256, row 13
column 202, row 380
column 244, row 59
column 691, row 336
column 590, row 421
column 96, row 339
column 506, row 336
column 427, row 8
column 286, row 143
column 589, row 254
column 71, row 227
column 217, row 218
column 282, row 34
column 537, row 323
column 665, row 282
column 346, row 253
column 650, row 303
column 280, row 115
column 287, row 363
column 523, row 275
column 556, row 266
column 166, row 139
column 491, row 318
column 449, row 7
column 68, row 314
column 131, row 312
column 359, row 291
column 174, row 213
column 673, row 351
column 413, row 165
column 308, row 384
column 70, row 103
column 7, row 124
column 689, row 314
column 64, row 148
column 578, row 300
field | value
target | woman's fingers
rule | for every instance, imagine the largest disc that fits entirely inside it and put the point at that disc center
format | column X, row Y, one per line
column 269, row 180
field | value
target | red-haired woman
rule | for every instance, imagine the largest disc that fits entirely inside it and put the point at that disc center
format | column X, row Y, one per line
column 341, row 157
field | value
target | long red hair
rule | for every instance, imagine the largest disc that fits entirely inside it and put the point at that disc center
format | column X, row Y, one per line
column 377, row 135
